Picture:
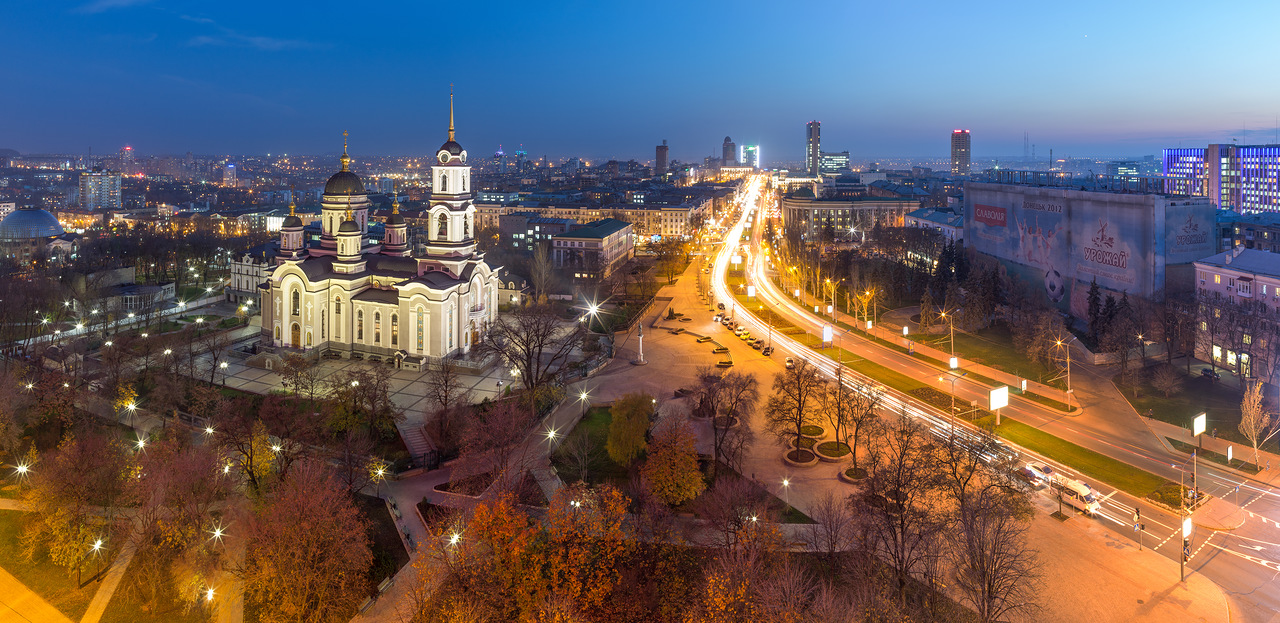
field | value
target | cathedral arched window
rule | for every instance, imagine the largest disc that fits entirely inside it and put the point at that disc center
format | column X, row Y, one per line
column 359, row 324
column 323, row 327
column 297, row 303
column 421, row 328
column 377, row 327
column 443, row 226
column 337, row 317
column 464, row 182
column 466, row 232
column 395, row 330
column 444, row 183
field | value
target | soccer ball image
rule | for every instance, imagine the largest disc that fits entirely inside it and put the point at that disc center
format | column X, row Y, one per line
column 1054, row 286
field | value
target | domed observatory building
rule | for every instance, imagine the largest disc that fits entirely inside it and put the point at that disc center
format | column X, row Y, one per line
column 355, row 299
column 25, row 232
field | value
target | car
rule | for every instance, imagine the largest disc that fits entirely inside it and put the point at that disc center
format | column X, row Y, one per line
column 757, row 344
column 719, row 305
column 767, row 351
column 1037, row 474
column 1081, row 497
column 789, row 363
column 716, row 318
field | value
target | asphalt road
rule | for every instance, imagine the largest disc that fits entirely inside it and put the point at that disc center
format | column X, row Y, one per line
column 1236, row 538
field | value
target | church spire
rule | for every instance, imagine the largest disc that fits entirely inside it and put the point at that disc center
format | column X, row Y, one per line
column 346, row 160
column 450, row 112
column 292, row 205
column 395, row 200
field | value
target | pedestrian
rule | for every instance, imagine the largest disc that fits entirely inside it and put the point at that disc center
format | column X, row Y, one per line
column 1215, row 432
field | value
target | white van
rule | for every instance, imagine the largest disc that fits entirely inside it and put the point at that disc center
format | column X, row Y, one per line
column 1080, row 496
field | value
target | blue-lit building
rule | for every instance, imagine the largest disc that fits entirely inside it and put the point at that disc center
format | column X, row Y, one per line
column 1245, row 178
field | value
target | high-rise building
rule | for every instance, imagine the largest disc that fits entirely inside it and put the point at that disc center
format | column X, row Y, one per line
column 750, row 155
column 833, row 163
column 1124, row 168
column 729, row 152
column 960, row 153
column 1235, row 177
column 100, row 190
column 813, row 147
column 660, row 157
column 229, row 175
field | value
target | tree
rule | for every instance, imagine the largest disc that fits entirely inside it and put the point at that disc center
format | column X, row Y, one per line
column 1094, row 309
column 1256, row 424
column 85, row 474
column 300, row 376
column 493, row 441
column 243, row 437
column 898, row 505
column 444, row 385
column 852, row 413
column 1167, row 379
column 833, row 530
column 540, row 273
column 362, row 397
column 926, row 311
column 307, row 553
column 671, row 469
column 724, row 398
column 587, row 543
column 796, row 398
column 996, row 572
column 534, row 341
column 629, row 423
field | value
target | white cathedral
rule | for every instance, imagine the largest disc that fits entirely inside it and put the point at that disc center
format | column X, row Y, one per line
column 362, row 300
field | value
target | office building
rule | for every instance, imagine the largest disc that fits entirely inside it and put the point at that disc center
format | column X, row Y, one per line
column 813, row 148
column 842, row 219
column 834, row 163
column 100, row 190
column 750, row 156
column 1245, row 178
column 728, row 153
column 1241, row 280
column 229, row 175
column 660, row 159
column 1124, row 168
column 960, row 153
column 594, row 251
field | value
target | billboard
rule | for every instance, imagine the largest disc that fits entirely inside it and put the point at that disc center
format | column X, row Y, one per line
column 1060, row 239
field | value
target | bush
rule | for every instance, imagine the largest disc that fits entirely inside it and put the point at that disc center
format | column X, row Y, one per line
column 1169, row 494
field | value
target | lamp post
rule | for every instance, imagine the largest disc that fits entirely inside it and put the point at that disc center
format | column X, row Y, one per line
column 953, row 378
column 582, row 397
column 1142, row 344
column 786, row 491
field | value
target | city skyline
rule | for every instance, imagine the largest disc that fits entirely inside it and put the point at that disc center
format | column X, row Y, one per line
column 179, row 76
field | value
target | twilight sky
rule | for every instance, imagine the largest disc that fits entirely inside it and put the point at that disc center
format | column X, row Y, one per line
column 609, row 78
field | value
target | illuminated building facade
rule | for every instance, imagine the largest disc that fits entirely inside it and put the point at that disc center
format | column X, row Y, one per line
column 370, row 301
column 813, row 147
column 750, row 156
column 960, row 153
column 100, row 190
column 1245, row 178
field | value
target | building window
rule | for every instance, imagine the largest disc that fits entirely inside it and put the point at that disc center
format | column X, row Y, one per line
column 1217, row 278
column 1204, row 326
column 395, row 330
column 377, row 327
column 360, row 324
column 323, row 329
column 297, row 303
column 443, row 228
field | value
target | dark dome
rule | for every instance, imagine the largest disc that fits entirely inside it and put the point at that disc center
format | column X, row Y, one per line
column 349, row 226
column 395, row 219
column 292, row 221
column 344, row 183
column 28, row 223
column 452, row 147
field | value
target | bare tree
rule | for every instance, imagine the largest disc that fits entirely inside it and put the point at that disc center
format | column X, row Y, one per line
column 493, row 442
column 834, row 531
column 996, row 571
column 582, row 454
column 1256, row 424
column 216, row 344
column 444, row 384
column 726, row 399
column 300, row 375
column 796, row 399
column 534, row 341
column 1167, row 379
column 898, row 504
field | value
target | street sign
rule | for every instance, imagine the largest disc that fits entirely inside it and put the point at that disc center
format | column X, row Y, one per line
column 1198, row 424
column 1000, row 397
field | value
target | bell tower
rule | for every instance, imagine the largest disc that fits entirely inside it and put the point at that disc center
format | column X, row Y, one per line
column 451, row 228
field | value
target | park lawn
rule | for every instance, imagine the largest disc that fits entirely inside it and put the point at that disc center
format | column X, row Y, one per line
column 46, row 579
column 1198, row 395
column 126, row 608
column 384, row 539
column 993, row 347
column 595, row 426
column 1104, row 469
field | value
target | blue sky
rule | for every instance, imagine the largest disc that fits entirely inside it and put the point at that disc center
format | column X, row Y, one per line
column 612, row 79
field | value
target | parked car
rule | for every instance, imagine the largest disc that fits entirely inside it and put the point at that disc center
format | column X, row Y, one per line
column 757, row 344
column 767, row 351
column 716, row 318
column 789, row 363
column 719, row 305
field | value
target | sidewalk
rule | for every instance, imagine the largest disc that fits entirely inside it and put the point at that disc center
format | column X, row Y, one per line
column 1270, row 462
column 110, row 581
column 19, row 604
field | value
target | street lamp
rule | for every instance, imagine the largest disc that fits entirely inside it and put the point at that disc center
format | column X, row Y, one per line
column 379, row 475
column 786, row 491
column 582, row 396
column 954, row 377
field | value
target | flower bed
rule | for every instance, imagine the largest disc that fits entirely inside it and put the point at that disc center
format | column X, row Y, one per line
column 810, row 430
column 800, row 458
column 833, row 451
column 853, row 476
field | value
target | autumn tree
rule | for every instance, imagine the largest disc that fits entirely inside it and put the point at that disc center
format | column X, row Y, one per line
column 68, row 491
column 671, row 467
column 244, row 439
column 1256, row 424
column 300, row 376
column 361, row 397
column 541, row 273
column 587, row 543
column 307, row 553
column 629, row 423
column 493, row 441
column 795, row 402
